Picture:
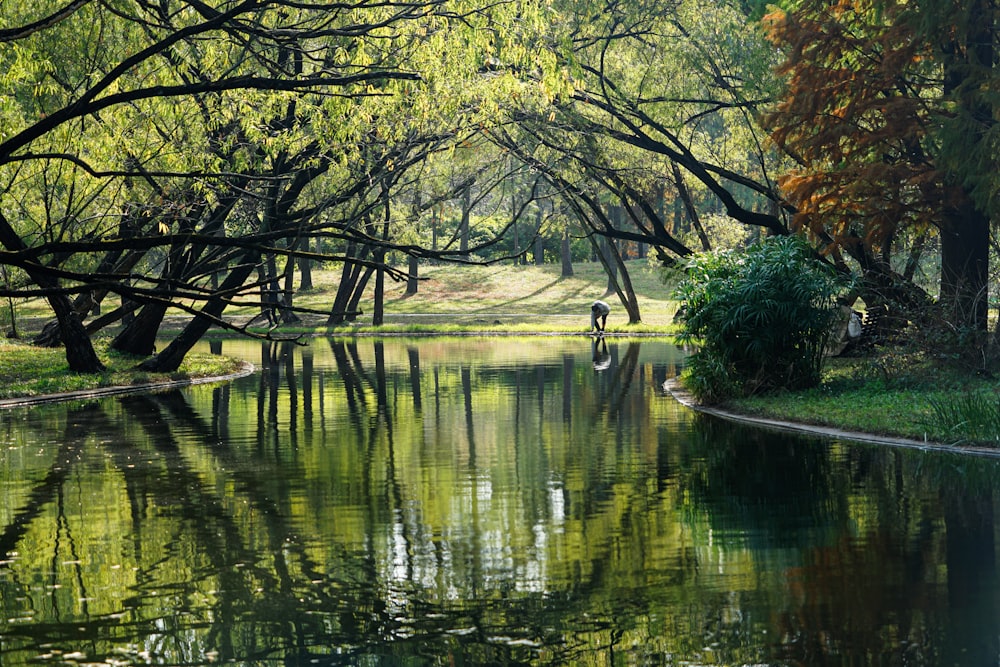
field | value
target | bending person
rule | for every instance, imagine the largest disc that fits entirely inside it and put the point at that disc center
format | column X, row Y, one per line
column 599, row 311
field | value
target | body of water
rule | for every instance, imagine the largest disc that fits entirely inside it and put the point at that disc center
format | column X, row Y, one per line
column 473, row 501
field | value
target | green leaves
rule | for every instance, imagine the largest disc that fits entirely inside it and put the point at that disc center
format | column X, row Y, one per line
column 761, row 316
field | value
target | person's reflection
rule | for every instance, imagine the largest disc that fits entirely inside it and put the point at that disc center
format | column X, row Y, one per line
column 599, row 349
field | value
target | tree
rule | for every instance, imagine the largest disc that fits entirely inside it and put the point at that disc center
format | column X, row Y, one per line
column 886, row 115
column 126, row 75
column 652, row 94
column 242, row 124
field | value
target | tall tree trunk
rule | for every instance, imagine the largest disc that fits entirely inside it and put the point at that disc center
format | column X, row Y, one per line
column 412, row 277
column 518, row 259
column 305, row 269
column 435, row 219
column 965, row 233
column 539, row 250
column 566, row 254
column 378, row 310
column 539, row 239
column 965, row 267
column 463, row 231
column 288, row 315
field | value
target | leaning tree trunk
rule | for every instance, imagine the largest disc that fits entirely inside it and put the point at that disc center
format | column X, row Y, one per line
column 359, row 290
column 619, row 281
column 80, row 352
column 170, row 358
column 139, row 337
column 349, row 276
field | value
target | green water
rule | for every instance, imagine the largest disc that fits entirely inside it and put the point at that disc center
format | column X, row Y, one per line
column 475, row 501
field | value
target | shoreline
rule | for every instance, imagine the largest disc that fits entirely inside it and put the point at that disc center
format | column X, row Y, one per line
column 672, row 386
column 682, row 396
column 246, row 368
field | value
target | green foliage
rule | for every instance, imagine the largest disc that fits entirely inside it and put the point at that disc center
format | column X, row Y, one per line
column 761, row 316
column 967, row 417
column 724, row 232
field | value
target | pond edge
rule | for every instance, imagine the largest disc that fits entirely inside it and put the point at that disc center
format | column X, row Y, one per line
column 685, row 398
column 245, row 369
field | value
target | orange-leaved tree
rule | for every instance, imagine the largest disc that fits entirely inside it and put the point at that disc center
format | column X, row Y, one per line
column 880, row 96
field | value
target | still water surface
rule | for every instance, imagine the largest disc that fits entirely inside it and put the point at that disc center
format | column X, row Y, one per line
column 478, row 501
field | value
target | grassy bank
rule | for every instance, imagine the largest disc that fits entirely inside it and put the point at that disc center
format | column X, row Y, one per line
column 909, row 396
column 27, row 371
column 502, row 299
column 450, row 299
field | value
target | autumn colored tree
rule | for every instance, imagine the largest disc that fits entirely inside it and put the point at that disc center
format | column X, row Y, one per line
column 881, row 100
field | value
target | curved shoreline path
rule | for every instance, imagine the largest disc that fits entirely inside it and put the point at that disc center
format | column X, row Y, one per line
column 246, row 368
column 682, row 396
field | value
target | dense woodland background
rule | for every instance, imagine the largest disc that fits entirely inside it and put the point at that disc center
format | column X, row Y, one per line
column 186, row 156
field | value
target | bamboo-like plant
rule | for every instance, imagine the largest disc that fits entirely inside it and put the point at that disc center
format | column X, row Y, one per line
column 760, row 316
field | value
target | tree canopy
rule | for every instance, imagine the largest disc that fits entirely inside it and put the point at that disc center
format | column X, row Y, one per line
column 184, row 155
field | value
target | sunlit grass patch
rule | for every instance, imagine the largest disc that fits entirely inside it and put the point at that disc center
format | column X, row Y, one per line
column 435, row 326
column 26, row 370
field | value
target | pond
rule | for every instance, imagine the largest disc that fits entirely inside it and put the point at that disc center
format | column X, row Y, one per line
column 471, row 501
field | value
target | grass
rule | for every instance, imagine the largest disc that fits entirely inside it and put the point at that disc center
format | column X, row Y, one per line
column 912, row 396
column 503, row 298
column 27, row 371
column 452, row 299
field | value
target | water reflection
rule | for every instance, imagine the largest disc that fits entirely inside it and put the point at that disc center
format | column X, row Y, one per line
column 477, row 502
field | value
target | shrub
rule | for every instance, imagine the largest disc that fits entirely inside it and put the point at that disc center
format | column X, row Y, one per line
column 761, row 317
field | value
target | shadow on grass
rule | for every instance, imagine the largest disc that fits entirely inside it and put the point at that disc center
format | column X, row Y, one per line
column 541, row 290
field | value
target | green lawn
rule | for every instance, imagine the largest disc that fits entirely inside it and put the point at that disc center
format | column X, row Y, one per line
column 37, row 371
column 890, row 394
column 514, row 295
column 502, row 296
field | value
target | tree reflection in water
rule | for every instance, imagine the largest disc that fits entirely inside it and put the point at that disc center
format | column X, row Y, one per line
column 477, row 502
